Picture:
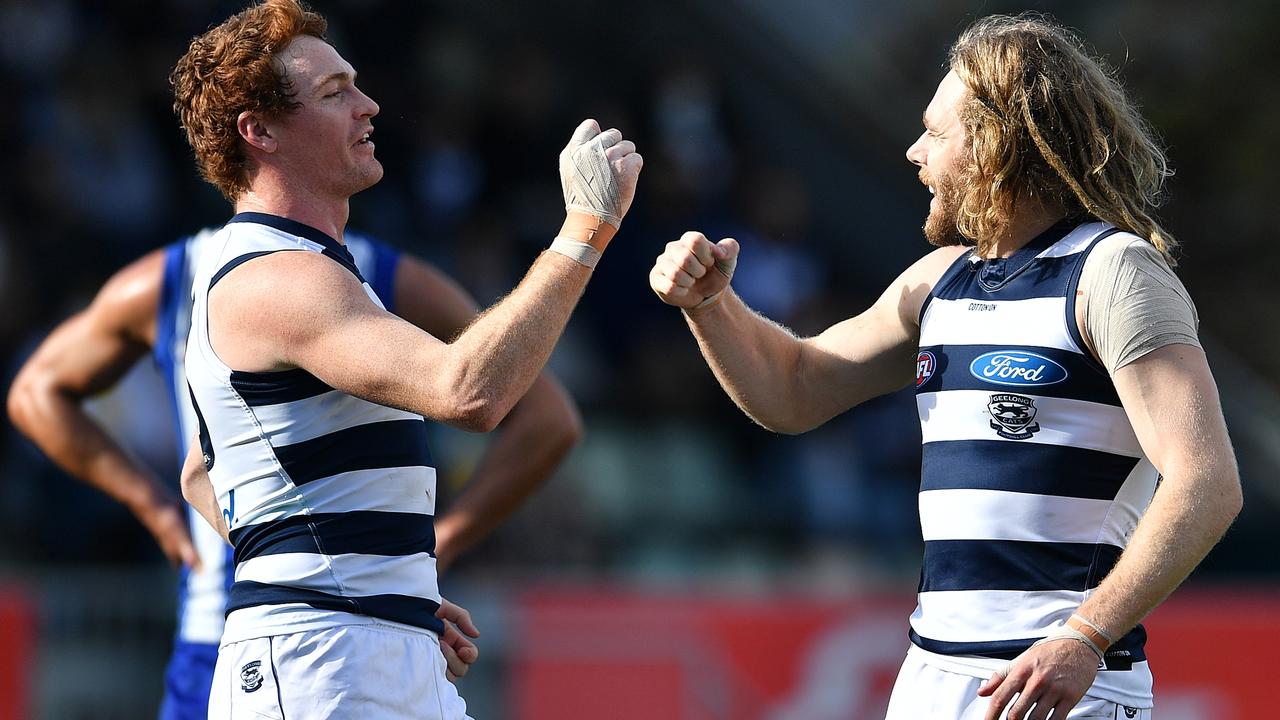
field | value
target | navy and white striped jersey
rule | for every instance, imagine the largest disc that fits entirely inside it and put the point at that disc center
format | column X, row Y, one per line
column 1032, row 477
column 202, row 594
column 329, row 498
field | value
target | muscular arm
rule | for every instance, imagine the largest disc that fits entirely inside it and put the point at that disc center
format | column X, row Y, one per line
column 300, row 309
column 528, row 445
column 1172, row 401
column 791, row 385
column 83, row 356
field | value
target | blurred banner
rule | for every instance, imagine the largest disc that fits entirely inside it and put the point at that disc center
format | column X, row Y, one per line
column 17, row 644
column 592, row 654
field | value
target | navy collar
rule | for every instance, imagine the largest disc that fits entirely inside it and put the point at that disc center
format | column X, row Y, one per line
column 994, row 273
column 293, row 227
column 332, row 248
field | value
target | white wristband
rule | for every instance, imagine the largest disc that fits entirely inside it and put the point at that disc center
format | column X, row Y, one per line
column 1070, row 633
column 579, row 252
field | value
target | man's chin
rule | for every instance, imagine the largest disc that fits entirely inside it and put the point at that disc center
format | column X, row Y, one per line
column 370, row 177
column 941, row 233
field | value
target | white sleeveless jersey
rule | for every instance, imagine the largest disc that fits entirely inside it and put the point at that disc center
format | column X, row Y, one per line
column 329, row 498
column 1032, row 478
column 202, row 594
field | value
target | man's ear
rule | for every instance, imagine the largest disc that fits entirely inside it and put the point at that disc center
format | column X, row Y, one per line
column 255, row 132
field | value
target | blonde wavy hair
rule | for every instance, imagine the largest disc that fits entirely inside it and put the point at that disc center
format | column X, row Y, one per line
column 1048, row 122
column 232, row 68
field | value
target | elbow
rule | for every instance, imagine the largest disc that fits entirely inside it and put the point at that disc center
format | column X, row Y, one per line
column 22, row 401
column 572, row 429
column 781, row 424
column 559, row 420
column 478, row 414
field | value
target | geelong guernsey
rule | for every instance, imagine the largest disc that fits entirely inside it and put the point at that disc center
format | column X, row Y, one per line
column 329, row 498
column 202, row 594
column 1032, row 478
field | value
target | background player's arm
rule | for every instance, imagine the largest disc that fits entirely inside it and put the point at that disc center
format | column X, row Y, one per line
column 527, row 446
column 83, row 356
column 785, row 383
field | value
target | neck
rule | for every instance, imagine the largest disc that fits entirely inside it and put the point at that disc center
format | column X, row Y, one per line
column 327, row 216
column 1023, row 227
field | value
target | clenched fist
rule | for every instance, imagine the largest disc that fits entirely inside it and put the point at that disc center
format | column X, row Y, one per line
column 598, row 173
column 693, row 271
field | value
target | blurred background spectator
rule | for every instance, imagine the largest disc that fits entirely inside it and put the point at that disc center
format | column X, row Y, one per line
column 780, row 124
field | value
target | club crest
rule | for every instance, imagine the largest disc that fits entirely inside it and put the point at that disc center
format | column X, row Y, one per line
column 251, row 676
column 1013, row 416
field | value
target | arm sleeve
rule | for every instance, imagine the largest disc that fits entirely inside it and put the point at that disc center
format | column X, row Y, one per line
column 1134, row 303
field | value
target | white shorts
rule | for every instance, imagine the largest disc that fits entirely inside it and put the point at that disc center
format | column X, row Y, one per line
column 927, row 691
column 370, row 672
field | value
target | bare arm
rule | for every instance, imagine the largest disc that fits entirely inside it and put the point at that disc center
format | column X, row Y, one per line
column 529, row 443
column 298, row 309
column 83, row 356
column 197, row 489
column 1172, row 402
column 785, row 383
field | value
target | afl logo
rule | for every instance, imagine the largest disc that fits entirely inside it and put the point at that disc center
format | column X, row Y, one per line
column 926, row 365
column 1016, row 367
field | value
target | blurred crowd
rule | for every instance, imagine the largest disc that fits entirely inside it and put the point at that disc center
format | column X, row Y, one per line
column 741, row 139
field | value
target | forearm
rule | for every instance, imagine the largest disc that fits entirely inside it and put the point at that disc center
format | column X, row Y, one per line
column 197, row 489
column 1185, row 520
column 493, row 363
column 754, row 359
column 525, row 451
column 59, row 426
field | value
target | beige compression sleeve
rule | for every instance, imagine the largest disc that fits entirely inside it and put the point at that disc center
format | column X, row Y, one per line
column 1133, row 302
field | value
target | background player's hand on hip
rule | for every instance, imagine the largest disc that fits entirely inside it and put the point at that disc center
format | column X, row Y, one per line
column 692, row 272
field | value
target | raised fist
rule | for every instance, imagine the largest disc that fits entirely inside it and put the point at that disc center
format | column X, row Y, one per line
column 598, row 172
column 693, row 270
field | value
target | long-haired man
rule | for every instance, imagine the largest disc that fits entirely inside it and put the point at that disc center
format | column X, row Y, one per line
column 1058, row 379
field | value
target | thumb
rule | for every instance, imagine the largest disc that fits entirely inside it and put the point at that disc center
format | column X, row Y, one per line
column 587, row 130
column 726, row 249
column 725, row 253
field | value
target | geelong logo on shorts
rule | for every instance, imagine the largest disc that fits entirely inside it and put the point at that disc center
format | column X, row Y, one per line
column 1015, row 367
column 250, row 676
column 926, row 365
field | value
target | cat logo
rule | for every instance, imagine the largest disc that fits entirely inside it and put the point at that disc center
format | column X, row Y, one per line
column 1012, row 416
column 250, row 676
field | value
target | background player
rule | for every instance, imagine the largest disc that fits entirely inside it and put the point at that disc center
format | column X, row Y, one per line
column 1046, row 420
column 145, row 308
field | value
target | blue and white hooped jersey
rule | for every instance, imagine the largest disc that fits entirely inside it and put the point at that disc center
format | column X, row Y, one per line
column 203, row 595
column 1032, row 477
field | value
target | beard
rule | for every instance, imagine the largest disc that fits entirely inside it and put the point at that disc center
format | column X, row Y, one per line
column 941, row 227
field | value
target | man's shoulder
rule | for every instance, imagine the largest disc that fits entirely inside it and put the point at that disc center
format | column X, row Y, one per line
column 924, row 274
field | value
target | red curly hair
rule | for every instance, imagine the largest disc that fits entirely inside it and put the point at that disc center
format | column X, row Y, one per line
column 232, row 68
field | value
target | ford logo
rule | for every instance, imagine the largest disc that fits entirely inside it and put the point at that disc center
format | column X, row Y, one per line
column 1015, row 367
